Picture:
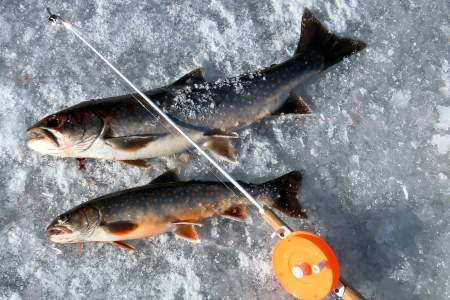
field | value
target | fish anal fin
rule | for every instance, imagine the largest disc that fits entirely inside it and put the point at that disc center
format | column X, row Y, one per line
column 222, row 134
column 186, row 231
column 123, row 245
column 294, row 105
column 195, row 76
column 168, row 176
column 141, row 163
column 222, row 147
column 120, row 227
column 131, row 143
column 237, row 213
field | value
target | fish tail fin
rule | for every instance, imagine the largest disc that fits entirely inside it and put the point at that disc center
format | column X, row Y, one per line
column 287, row 187
column 315, row 37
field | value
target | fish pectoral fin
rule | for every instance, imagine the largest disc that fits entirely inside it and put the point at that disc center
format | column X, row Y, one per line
column 186, row 231
column 187, row 223
column 131, row 143
column 120, row 227
column 168, row 176
column 123, row 245
column 141, row 163
column 184, row 157
column 218, row 133
column 236, row 213
column 222, row 147
column 294, row 105
column 195, row 76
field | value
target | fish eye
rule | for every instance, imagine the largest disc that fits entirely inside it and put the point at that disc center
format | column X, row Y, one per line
column 52, row 121
column 56, row 121
column 63, row 219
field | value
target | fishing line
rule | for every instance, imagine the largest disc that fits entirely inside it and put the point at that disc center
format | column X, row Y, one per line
column 55, row 19
column 209, row 169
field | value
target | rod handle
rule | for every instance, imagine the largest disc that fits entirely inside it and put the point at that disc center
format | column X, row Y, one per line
column 272, row 219
column 350, row 293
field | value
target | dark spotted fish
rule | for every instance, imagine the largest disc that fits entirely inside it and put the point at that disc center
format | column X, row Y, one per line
column 119, row 128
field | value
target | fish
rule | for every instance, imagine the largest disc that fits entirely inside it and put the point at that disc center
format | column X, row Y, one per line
column 169, row 205
column 211, row 113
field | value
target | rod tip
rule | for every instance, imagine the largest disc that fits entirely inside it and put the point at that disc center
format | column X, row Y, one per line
column 52, row 17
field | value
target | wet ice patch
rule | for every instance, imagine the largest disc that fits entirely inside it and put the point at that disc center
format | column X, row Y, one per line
column 445, row 75
column 444, row 117
column 400, row 98
column 6, row 32
column 442, row 142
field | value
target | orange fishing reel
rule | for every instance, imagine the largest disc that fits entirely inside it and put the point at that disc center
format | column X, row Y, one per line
column 304, row 264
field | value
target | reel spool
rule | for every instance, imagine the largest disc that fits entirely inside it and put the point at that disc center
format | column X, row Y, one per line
column 305, row 265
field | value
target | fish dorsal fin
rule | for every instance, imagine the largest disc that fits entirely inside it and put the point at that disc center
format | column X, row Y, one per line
column 120, row 227
column 294, row 105
column 187, row 232
column 123, row 245
column 237, row 213
column 166, row 177
column 195, row 76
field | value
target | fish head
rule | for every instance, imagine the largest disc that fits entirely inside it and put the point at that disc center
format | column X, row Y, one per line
column 74, row 226
column 68, row 133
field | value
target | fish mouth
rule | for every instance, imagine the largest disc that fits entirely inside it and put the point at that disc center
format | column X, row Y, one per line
column 43, row 140
column 54, row 230
column 40, row 133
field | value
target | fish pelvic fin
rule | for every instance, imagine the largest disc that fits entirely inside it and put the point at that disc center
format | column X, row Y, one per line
column 315, row 37
column 141, row 163
column 187, row 231
column 236, row 213
column 123, row 245
column 222, row 147
column 294, row 105
column 287, row 187
column 166, row 177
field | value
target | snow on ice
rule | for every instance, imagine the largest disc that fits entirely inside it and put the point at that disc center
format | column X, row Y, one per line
column 375, row 154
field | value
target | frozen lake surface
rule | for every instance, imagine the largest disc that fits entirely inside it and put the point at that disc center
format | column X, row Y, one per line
column 375, row 154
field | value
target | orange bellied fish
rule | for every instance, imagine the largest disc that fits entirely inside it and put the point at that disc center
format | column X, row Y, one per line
column 168, row 205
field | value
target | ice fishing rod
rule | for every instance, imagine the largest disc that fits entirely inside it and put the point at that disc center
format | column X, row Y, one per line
column 304, row 264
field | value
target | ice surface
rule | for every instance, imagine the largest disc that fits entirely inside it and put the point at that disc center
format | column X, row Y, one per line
column 375, row 155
